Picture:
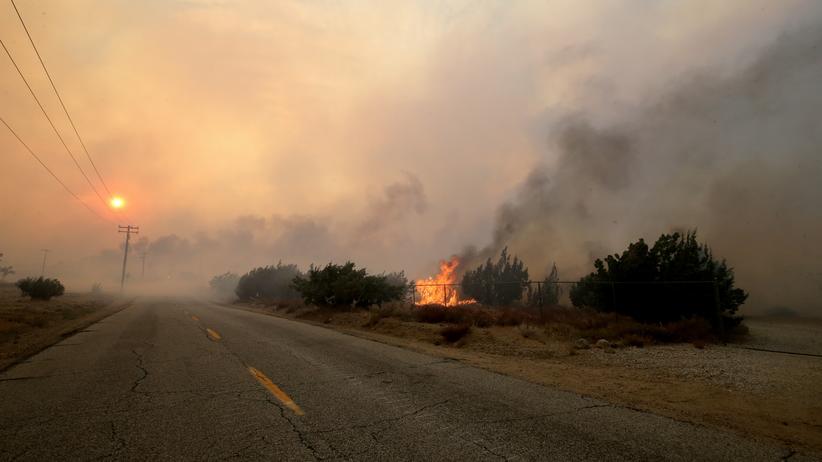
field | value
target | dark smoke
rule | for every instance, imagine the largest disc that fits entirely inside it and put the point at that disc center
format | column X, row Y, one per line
column 739, row 158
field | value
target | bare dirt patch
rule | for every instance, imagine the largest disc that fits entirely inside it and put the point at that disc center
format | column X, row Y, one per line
column 760, row 394
column 28, row 326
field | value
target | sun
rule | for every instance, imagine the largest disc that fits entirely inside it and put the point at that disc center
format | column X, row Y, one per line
column 117, row 202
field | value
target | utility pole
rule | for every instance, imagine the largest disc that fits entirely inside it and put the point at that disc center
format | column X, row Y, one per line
column 129, row 230
column 43, row 270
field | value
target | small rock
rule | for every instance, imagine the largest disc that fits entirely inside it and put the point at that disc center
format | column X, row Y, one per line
column 582, row 344
column 602, row 343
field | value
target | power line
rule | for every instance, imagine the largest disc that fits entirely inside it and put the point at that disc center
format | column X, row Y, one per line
column 54, row 87
column 53, row 127
column 52, row 173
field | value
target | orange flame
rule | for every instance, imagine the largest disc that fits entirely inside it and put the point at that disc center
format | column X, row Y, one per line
column 441, row 289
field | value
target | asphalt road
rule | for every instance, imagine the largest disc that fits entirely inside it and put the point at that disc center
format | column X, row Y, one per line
column 170, row 379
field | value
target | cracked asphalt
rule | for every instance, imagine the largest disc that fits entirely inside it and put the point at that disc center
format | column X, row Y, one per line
column 150, row 383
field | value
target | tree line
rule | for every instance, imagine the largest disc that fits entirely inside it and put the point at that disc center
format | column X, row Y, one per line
column 676, row 278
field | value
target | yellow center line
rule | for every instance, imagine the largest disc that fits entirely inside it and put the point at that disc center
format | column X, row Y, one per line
column 195, row 318
column 212, row 334
column 275, row 390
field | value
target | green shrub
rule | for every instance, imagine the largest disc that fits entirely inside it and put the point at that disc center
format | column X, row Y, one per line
column 647, row 283
column 499, row 283
column 40, row 288
column 345, row 285
column 547, row 292
column 269, row 282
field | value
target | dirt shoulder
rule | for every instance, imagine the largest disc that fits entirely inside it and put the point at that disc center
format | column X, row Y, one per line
column 29, row 326
column 764, row 395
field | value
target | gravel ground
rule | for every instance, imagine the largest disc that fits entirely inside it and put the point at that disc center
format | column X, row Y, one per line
column 736, row 367
column 795, row 335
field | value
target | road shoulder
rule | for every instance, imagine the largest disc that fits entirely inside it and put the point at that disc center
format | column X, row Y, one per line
column 29, row 327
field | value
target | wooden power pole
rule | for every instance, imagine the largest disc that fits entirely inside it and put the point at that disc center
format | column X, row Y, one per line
column 43, row 269
column 129, row 230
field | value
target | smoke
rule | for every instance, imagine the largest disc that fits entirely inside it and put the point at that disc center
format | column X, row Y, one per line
column 596, row 124
column 178, row 262
column 737, row 157
column 398, row 200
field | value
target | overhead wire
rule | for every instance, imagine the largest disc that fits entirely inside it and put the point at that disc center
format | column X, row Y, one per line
column 53, row 175
column 59, row 98
column 53, row 127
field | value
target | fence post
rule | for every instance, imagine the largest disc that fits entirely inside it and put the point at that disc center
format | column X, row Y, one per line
column 444, row 295
column 719, row 321
column 541, row 300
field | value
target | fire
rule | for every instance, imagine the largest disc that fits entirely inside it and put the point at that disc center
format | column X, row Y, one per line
column 441, row 289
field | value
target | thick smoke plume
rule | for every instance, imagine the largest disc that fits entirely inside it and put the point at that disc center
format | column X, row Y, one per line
column 736, row 157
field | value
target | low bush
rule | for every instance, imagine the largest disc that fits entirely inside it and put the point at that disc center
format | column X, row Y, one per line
column 570, row 324
column 456, row 332
column 40, row 288
column 345, row 285
column 474, row 315
column 267, row 282
column 438, row 314
column 630, row 332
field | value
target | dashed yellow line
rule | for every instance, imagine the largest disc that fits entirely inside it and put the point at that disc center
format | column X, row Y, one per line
column 275, row 390
column 195, row 318
column 212, row 334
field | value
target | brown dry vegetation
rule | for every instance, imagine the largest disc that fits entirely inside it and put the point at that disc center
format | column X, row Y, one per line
column 557, row 323
column 27, row 326
column 677, row 370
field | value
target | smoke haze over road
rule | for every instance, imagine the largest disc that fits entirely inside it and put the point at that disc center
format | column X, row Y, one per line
column 245, row 133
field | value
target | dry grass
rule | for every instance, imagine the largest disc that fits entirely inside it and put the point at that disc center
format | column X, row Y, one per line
column 456, row 332
column 27, row 326
column 554, row 324
column 562, row 323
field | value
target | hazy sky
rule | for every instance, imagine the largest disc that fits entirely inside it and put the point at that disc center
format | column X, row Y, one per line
column 391, row 132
